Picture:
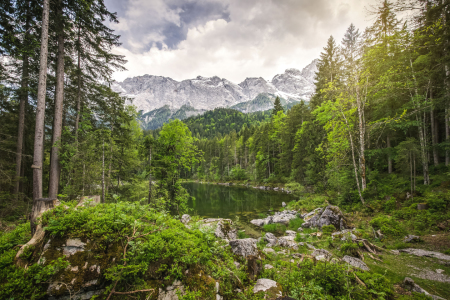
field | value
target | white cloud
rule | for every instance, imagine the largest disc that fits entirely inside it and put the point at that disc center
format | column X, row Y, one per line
column 261, row 37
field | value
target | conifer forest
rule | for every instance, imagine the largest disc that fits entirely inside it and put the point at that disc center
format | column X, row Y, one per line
column 95, row 206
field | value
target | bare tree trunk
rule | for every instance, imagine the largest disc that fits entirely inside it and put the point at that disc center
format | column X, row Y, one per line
column 388, row 141
column 22, row 105
column 77, row 120
column 447, row 136
column 355, row 167
column 411, row 170
column 447, row 114
column 40, row 111
column 422, row 132
column 150, row 177
column 59, row 98
column 103, row 173
column 434, row 137
column 362, row 160
column 84, row 173
column 353, row 158
column 426, row 178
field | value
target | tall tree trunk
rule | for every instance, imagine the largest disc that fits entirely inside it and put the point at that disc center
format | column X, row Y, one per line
column 388, row 141
column 434, row 137
column 103, row 172
column 150, row 177
column 40, row 113
column 77, row 120
column 422, row 131
column 362, row 159
column 447, row 113
column 59, row 98
column 22, row 105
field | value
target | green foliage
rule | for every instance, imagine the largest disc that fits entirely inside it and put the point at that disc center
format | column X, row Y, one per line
column 328, row 229
column 237, row 173
column 294, row 224
column 21, row 283
column 242, row 235
column 349, row 248
column 275, row 228
column 388, row 226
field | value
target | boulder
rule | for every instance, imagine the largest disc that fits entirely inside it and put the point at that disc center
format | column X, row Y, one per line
column 268, row 267
column 321, row 254
column 411, row 239
column 171, row 292
column 425, row 253
column 291, row 233
column 300, row 229
column 279, row 217
column 410, row 285
column 185, row 218
column 283, row 204
column 271, row 239
column 258, row 222
column 224, row 230
column 355, row 262
column 268, row 250
column 271, row 289
column 330, row 215
column 244, row 247
column 344, row 235
column 288, row 241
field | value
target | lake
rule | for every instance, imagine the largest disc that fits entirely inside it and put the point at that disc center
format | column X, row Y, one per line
column 238, row 203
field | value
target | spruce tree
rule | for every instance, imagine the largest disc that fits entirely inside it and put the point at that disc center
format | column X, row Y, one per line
column 277, row 106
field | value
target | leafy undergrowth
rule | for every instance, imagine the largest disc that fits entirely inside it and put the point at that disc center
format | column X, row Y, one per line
column 140, row 248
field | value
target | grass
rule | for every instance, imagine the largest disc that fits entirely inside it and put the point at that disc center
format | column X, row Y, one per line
column 397, row 267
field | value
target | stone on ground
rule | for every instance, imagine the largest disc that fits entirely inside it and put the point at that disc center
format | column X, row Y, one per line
column 185, row 218
column 355, row 262
column 426, row 253
column 410, row 285
column 270, row 288
column 330, row 215
column 244, row 247
column 411, row 239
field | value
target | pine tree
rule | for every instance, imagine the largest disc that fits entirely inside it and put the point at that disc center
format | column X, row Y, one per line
column 277, row 106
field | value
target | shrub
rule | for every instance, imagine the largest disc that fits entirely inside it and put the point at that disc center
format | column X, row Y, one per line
column 294, row 224
column 242, row 235
column 274, row 228
column 388, row 226
column 328, row 229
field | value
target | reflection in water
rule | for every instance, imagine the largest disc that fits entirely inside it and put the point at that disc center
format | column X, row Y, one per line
column 238, row 203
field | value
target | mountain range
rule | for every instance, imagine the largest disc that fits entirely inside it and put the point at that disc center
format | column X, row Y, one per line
column 159, row 98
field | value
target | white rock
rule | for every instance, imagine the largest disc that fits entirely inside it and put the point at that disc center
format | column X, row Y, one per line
column 264, row 284
column 355, row 262
column 185, row 218
column 268, row 267
column 244, row 247
column 291, row 233
column 171, row 292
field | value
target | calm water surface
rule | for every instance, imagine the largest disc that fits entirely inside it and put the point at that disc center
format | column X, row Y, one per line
column 238, row 203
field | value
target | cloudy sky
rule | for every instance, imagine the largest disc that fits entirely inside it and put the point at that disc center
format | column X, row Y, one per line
column 232, row 39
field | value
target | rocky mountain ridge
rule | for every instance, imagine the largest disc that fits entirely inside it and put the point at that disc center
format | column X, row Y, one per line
column 150, row 92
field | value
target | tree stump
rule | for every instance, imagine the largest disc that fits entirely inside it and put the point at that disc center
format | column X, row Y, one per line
column 40, row 206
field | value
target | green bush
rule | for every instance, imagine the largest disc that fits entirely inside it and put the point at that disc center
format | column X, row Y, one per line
column 388, row 226
column 328, row 229
column 242, row 235
column 294, row 224
column 274, row 228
